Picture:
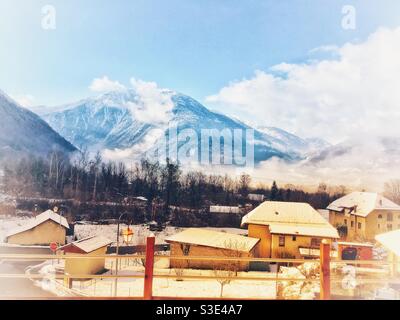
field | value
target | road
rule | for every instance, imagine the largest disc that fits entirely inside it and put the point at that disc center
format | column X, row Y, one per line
column 19, row 288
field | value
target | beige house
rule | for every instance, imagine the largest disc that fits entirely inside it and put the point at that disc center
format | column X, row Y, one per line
column 364, row 215
column 201, row 242
column 89, row 247
column 287, row 229
column 44, row 229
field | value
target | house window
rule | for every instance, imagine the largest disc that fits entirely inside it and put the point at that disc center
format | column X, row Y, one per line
column 315, row 242
column 294, row 238
column 379, row 226
column 359, row 225
column 380, row 216
column 352, row 224
column 389, row 216
column 345, row 222
column 281, row 241
column 389, row 227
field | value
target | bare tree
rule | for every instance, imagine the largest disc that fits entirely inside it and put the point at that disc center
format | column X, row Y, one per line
column 234, row 250
column 392, row 190
column 224, row 277
column 95, row 167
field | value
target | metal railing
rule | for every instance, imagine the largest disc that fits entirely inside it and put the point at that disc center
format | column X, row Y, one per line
column 325, row 260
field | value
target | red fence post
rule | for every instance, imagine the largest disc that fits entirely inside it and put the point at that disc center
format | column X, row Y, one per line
column 149, row 267
column 325, row 270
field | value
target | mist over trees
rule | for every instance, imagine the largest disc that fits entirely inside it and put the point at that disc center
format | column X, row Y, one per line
column 168, row 189
column 392, row 190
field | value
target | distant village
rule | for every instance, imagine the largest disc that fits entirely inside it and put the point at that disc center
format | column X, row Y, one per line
column 357, row 226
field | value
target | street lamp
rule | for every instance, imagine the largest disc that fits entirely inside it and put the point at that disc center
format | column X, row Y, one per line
column 127, row 236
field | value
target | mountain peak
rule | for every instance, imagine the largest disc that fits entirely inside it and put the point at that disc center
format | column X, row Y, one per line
column 105, row 122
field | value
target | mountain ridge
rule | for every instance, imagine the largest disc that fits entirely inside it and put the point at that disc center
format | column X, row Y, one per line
column 107, row 122
column 24, row 132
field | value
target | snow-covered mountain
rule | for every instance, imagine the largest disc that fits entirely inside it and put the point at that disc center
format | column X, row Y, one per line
column 23, row 132
column 108, row 122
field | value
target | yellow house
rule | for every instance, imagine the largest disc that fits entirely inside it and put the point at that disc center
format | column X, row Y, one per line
column 197, row 242
column 285, row 228
column 44, row 229
column 89, row 247
column 363, row 215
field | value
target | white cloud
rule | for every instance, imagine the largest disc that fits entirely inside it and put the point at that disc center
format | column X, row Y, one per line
column 363, row 165
column 154, row 105
column 356, row 94
column 151, row 140
column 105, row 85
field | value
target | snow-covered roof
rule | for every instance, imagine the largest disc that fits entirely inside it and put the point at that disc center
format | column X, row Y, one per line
column 324, row 213
column 89, row 244
column 256, row 197
column 323, row 231
column 215, row 239
column 355, row 244
column 290, row 218
column 390, row 240
column 39, row 219
column 141, row 198
column 363, row 203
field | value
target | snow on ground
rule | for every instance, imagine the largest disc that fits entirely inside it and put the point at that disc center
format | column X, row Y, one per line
column 209, row 288
column 8, row 224
column 110, row 231
column 140, row 232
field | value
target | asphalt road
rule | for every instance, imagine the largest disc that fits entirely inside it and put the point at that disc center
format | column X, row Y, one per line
column 19, row 288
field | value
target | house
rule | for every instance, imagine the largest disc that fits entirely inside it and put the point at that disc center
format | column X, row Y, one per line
column 355, row 250
column 201, row 242
column 391, row 242
column 45, row 228
column 363, row 215
column 285, row 228
column 256, row 197
column 88, row 247
column 225, row 209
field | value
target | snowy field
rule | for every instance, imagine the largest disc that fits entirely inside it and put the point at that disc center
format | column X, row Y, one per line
column 140, row 232
column 109, row 231
column 171, row 287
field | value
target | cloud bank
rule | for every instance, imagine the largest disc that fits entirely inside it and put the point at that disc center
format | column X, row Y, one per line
column 154, row 105
column 354, row 95
column 351, row 99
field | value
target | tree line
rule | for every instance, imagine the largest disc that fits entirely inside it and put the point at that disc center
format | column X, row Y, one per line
column 92, row 180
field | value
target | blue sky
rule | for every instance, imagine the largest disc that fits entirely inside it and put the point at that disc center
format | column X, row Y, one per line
column 192, row 46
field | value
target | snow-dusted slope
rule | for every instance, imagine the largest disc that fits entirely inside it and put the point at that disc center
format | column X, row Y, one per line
column 108, row 122
column 23, row 132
